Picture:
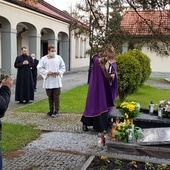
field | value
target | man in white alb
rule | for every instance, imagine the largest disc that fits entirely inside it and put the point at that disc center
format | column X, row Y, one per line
column 52, row 67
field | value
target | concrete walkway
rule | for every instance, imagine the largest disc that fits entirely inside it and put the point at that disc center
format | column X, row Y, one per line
column 63, row 146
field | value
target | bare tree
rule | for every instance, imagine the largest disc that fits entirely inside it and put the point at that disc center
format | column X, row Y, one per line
column 153, row 18
column 104, row 18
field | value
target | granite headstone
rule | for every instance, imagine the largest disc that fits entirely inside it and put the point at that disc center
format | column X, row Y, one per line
column 155, row 136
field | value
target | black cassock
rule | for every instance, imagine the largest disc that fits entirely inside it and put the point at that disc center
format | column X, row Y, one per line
column 24, row 83
column 34, row 72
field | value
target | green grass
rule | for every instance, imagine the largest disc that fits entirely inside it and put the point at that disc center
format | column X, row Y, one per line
column 73, row 101
column 15, row 136
column 146, row 93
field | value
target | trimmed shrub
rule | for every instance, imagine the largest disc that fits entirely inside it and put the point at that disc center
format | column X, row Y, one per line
column 144, row 61
column 129, row 74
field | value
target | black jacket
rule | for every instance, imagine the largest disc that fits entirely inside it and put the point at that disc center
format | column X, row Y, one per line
column 5, row 94
column 34, row 67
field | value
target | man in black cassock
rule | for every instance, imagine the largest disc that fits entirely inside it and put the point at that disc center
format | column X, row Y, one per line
column 24, row 90
column 34, row 71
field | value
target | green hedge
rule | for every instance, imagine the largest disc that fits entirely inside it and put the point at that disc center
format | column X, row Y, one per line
column 133, row 69
column 144, row 63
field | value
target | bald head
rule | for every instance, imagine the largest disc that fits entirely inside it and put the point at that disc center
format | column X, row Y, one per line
column 33, row 55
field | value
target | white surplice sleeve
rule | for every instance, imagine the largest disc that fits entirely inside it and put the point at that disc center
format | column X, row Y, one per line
column 41, row 68
column 62, row 67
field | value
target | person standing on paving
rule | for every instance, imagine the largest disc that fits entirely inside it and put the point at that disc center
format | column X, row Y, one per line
column 34, row 71
column 5, row 94
column 102, row 91
column 52, row 67
column 24, row 90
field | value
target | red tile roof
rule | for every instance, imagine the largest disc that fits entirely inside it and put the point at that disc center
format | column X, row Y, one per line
column 44, row 8
column 64, row 14
column 141, row 24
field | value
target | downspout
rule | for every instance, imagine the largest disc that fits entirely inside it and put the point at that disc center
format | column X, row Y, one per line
column 69, row 51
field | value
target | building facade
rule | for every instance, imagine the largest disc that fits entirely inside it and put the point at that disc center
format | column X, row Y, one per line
column 35, row 25
column 149, row 25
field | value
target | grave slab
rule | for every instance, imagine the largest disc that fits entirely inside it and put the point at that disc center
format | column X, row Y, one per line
column 145, row 120
column 155, row 136
column 135, row 149
column 167, row 79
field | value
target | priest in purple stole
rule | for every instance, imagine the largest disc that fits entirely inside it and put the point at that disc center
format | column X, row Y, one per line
column 102, row 91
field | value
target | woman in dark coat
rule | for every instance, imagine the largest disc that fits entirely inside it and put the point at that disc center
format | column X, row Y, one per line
column 102, row 91
column 24, row 82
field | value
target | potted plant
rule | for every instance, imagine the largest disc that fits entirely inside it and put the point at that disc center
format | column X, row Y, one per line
column 130, row 110
column 165, row 104
column 122, row 129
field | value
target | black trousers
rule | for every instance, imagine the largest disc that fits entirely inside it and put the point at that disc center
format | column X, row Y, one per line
column 99, row 123
column 35, row 81
column 54, row 98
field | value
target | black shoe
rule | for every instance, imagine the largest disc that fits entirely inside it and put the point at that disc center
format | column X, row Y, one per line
column 49, row 113
column 85, row 128
column 20, row 102
column 55, row 114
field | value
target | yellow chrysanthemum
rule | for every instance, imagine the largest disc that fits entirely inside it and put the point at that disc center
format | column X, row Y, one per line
column 103, row 157
column 131, row 107
column 164, row 165
column 133, row 162
column 119, row 128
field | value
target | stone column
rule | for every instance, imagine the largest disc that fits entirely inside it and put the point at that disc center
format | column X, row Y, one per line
column 65, row 53
column 34, row 45
column 54, row 42
column 9, row 50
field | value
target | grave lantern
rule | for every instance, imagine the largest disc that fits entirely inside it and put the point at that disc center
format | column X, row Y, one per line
column 151, row 107
column 99, row 142
column 129, row 132
column 160, row 112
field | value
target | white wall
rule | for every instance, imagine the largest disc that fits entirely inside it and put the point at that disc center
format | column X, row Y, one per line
column 158, row 63
column 76, row 60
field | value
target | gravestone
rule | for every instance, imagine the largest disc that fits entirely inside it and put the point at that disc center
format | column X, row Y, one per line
column 167, row 79
column 154, row 144
column 155, row 131
column 145, row 120
column 155, row 136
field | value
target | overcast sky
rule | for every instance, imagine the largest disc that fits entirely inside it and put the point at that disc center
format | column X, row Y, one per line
column 63, row 4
